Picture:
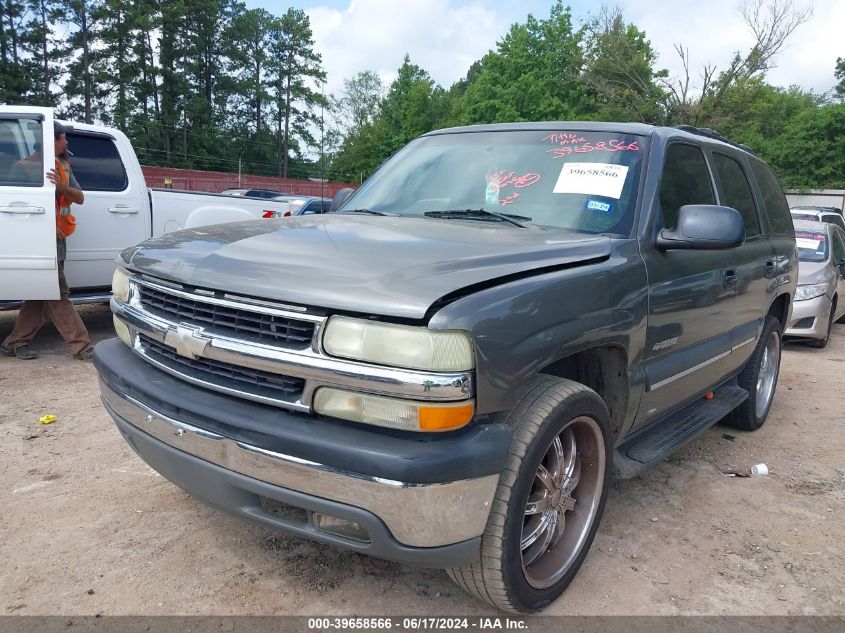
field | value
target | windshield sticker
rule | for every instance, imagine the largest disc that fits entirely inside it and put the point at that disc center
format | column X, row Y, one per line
column 804, row 242
column 599, row 207
column 595, row 179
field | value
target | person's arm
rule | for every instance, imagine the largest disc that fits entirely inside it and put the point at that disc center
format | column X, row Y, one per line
column 71, row 191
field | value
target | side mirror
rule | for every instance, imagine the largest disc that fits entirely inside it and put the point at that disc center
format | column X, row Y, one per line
column 704, row 227
column 841, row 266
column 339, row 198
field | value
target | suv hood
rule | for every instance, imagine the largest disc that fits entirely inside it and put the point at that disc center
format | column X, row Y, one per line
column 396, row 266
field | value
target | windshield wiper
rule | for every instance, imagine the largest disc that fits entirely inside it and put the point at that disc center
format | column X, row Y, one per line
column 368, row 211
column 479, row 213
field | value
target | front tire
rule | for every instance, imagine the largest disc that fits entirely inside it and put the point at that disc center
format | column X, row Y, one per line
column 822, row 343
column 759, row 378
column 549, row 500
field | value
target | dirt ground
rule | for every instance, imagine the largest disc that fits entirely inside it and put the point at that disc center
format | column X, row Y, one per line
column 86, row 527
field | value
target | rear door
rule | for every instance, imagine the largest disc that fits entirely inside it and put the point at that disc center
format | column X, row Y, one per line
column 28, row 265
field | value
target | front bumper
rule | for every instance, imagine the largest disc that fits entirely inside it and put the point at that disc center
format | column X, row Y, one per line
column 809, row 318
column 420, row 500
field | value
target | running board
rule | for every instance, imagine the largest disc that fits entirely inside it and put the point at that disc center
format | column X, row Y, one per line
column 658, row 440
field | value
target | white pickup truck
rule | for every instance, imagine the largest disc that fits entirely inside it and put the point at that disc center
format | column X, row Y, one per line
column 119, row 209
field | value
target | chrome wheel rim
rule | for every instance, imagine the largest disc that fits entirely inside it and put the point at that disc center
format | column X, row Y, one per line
column 767, row 376
column 563, row 502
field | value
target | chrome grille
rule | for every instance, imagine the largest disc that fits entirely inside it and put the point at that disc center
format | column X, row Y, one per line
column 252, row 381
column 245, row 324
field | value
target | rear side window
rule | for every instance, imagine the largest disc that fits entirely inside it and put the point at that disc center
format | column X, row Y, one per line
column 774, row 202
column 735, row 192
column 833, row 219
column 96, row 163
column 838, row 247
column 685, row 180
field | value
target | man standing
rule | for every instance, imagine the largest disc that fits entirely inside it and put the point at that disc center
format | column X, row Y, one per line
column 33, row 314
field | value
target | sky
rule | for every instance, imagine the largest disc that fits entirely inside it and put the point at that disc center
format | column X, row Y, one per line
column 446, row 36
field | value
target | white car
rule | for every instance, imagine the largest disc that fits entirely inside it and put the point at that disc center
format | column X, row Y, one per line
column 119, row 209
column 832, row 215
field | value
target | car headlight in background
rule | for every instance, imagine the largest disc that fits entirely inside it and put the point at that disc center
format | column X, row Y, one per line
column 394, row 413
column 398, row 345
column 120, row 284
column 802, row 293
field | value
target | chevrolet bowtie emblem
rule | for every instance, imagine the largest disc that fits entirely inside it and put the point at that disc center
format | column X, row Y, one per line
column 187, row 341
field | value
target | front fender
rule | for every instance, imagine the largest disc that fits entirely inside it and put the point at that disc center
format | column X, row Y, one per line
column 523, row 326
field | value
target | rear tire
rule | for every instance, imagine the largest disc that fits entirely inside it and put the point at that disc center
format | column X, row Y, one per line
column 759, row 378
column 549, row 500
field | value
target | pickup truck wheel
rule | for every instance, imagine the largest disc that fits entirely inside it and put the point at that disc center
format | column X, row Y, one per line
column 759, row 378
column 549, row 500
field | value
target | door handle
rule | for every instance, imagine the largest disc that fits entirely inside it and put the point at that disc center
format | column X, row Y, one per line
column 771, row 269
column 123, row 210
column 22, row 209
column 729, row 277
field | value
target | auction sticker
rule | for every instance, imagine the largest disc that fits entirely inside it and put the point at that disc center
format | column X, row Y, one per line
column 803, row 242
column 596, row 179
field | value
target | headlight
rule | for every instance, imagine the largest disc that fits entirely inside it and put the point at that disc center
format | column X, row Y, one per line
column 398, row 345
column 120, row 284
column 392, row 412
column 802, row 293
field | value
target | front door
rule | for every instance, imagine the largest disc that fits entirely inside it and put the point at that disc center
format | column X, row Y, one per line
column 28, row 262
column 692, row 295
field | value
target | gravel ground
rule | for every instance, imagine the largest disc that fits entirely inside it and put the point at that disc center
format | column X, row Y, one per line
column 88, row 528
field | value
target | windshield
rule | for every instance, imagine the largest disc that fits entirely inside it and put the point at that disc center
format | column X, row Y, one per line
column 812, row 246
column 584, row 181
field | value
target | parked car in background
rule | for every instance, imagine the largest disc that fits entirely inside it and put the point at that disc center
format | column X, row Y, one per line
column 304, row 205
column 266, row 194
column 817, row 305
column 819, row 214
column 119, row 209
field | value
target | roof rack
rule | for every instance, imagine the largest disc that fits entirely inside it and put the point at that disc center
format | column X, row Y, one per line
column 711, row 133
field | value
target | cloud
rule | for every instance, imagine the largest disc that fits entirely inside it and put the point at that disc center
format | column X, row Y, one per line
column 441, row 36
column 714, row 30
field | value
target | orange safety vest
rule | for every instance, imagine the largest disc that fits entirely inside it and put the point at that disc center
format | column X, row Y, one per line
column 65, row 222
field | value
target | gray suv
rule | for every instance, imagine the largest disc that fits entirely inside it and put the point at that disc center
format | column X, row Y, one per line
column 456, row 362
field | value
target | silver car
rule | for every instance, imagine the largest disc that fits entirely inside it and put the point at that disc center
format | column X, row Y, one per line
column 821, row 257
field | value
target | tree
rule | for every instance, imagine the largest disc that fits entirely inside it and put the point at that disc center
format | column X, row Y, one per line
column 14, row 82
column 619, row 69
column 296, row 69
column 41, row 45
column 810, row 154
column 839, row 73
column 359, row 102
column 534, row 74
column 84, row 16
column 771, row 22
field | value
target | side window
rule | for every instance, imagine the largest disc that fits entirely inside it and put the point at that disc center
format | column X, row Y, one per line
column 736, row 192
column 21, row 162
column 311, row 208
column 96, row 163
column 836, row 219
column 775, row 205
column 685, row 180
